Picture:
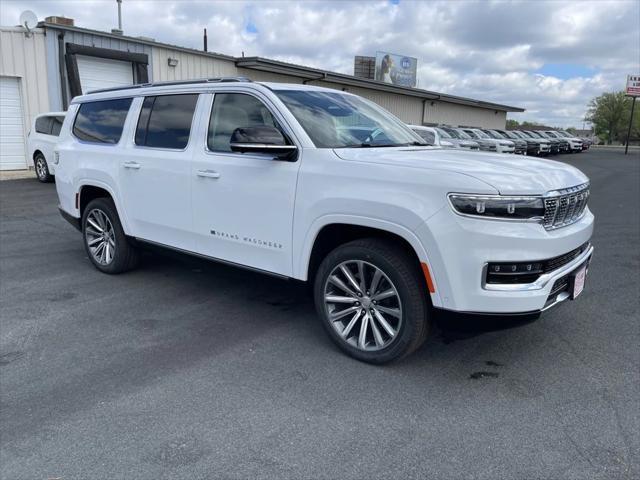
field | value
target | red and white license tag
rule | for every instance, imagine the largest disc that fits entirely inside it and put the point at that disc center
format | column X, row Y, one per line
column 578, row 282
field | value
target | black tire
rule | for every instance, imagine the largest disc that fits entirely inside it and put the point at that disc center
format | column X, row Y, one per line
column 404, row 273
column 125, row 256
column 42, row 169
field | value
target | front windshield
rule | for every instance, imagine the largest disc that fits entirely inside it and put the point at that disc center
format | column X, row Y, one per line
column 427, row 135
column 524, row 134
column 443, row 133
column 453, row 133
column 510, row 134
column 554, row 134
column 336, row 120
column 565, row 134
column 495, row 134
column 465, row 135
column 534, row 134
column 480, row 134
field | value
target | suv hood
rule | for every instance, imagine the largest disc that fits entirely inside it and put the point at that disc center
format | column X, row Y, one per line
column 508, row 174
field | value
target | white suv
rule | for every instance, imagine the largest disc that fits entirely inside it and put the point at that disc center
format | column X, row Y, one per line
column 41, row 141
column 315, row 184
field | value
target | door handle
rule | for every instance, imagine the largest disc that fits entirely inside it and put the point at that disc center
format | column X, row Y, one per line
column 208, row 174
column 133, row 165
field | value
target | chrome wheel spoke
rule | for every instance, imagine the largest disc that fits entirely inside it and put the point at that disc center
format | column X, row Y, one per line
column 94, row 241
column 94, row 225
column 376, row 333
column 340, row 284
column 386, row 294
column 363, row 283
column 339, row 299
column 362, row 337
column 350, row 325
column 349, row 276
column 390, row 311
column 335, row 316
column 375, row 281
column 384, row 323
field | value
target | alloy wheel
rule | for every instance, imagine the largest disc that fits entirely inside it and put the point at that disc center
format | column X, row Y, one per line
column 362, row 305
column 41, row 168
column 100, row 237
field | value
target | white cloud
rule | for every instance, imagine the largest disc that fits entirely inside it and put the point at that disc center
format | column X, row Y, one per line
column 485, row 50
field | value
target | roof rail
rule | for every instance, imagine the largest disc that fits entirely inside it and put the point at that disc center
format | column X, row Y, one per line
column 178, row 82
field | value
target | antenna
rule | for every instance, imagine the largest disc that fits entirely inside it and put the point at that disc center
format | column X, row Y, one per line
column 28, row 20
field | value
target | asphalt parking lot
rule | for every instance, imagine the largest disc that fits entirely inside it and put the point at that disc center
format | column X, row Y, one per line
column 190, row 369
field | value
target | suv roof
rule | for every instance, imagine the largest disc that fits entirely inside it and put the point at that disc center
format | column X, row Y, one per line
column 189, row 86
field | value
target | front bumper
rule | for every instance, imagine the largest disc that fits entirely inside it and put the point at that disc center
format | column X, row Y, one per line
column 459, row 249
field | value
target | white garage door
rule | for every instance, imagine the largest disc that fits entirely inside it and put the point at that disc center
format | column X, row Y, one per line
column 12, row 156
column 97, row 73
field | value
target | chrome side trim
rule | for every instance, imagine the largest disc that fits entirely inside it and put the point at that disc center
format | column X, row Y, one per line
column 562, row 296
column 542, row 280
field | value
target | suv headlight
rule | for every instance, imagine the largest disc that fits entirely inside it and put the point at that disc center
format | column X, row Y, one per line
column 498, row 206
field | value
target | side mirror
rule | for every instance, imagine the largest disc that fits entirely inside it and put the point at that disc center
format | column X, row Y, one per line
column 261, row 139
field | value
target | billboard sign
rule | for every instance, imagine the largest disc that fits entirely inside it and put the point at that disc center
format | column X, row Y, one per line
column 633, row 85
column 396, row 69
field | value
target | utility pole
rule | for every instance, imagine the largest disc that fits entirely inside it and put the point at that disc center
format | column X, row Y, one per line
column 633, row 106
column 119, row 14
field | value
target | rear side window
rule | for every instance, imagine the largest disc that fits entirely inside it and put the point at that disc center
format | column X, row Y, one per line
column 165, row 121
column 101, row 122
column 43, row 125
column 56, row 125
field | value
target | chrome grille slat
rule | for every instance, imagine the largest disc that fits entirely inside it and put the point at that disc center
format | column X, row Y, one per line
column 565, row 207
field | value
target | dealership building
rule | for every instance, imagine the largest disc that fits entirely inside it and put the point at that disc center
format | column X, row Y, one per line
column 42, row 69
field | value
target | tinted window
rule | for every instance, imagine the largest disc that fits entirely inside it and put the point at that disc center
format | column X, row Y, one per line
column 231, row 111
column 101, row 122
column 56, row 125
column 43, row 125
column 165, row 121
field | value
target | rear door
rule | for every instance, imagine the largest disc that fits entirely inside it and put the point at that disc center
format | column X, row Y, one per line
column 243, row 203
column 155, row 170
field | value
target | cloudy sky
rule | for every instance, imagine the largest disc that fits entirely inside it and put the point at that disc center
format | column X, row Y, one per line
column 550, row 57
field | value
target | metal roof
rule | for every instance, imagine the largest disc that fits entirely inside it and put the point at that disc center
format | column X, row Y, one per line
column 307, row 73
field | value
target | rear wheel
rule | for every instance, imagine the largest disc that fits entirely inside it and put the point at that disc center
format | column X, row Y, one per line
column 105, row 242
column 42, row 169
column 372, row 300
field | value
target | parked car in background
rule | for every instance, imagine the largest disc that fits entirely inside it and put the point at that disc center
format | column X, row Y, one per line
column 586, row 143
column 554, row 143
column 533, row 146
column 459, row 141
column 562, row 142
column 490, row 144
column 530, row 148
column 544, row 145
column 431, row 136
column 40, row 142
column 262, row 176
column 575, row 143
column 520, row 146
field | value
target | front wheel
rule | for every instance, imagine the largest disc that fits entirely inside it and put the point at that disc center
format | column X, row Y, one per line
column 105, row 242
column 372, row 300
column 42, row 169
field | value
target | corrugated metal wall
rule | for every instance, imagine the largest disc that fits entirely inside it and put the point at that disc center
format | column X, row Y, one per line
column 454, row 114
column 25, row 58
column 190, row 66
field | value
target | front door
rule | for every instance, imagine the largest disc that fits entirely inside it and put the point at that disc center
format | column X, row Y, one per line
column 242, row 202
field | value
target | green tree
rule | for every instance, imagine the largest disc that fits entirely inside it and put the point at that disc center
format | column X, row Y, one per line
column 512, row 124
column 610, row 114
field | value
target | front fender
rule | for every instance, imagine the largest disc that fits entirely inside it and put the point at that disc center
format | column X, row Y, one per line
column 303, row 251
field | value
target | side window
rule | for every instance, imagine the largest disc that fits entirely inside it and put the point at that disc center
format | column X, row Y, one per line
column 427, row 136
column 56, row 125
column 43, row 125
column 165, row 121
column 231, row 111
column 101, row 122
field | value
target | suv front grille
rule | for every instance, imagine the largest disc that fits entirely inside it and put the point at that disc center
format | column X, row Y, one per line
column 565, row 207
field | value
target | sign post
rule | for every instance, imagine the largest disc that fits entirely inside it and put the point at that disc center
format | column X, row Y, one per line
column 632, row 90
